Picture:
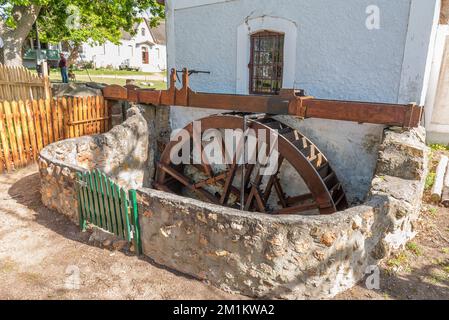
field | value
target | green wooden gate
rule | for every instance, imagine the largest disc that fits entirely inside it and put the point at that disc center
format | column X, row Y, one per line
column 103, row 203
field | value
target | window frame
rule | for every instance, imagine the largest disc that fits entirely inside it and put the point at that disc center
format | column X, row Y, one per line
column 277, row 50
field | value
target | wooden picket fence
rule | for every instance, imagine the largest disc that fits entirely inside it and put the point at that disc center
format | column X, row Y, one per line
column 28, row 126
column 18, row 83
column 105, row 204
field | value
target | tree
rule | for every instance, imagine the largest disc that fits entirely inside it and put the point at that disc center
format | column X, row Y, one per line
column 16, row 20
column 75, row 21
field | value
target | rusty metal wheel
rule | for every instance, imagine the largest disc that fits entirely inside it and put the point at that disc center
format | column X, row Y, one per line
column 304, row 182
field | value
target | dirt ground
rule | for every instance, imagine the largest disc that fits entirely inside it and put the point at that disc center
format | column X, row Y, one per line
column 45, row 256
column 421, row 271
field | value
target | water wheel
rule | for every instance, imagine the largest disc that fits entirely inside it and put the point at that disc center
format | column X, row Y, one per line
column 302, row 183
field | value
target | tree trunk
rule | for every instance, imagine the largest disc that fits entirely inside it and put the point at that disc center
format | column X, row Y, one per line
column 74, row 54
column 13, row 39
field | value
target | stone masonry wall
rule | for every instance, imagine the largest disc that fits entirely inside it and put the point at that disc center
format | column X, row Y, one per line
column 158, row 121
column 290, row 257
column 122, row 154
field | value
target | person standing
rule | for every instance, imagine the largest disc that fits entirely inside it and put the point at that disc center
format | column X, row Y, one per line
column 63, row 67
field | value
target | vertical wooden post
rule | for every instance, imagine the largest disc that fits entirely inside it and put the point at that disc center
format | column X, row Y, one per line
column 47, row 87
column 65, row 118
column 4, row 139
column 108, row 107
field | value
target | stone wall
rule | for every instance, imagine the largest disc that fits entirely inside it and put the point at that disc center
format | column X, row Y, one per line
column 259, row 255
column 122, row 154
column 158, row 118
column 294, row 256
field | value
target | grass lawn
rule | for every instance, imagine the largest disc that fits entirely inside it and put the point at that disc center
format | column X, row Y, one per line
column 159, row 85
column 109, row 72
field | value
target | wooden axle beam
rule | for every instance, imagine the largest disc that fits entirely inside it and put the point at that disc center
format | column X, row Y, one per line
column 288, row 102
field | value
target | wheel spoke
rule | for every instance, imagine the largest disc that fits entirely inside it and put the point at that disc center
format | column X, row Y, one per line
column 322, row 189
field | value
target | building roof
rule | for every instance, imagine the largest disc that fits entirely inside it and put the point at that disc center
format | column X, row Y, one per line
column 126, row 35
column 158, row 33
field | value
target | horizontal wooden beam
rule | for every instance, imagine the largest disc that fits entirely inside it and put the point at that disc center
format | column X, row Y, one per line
column 21, row 83
column 288, row 102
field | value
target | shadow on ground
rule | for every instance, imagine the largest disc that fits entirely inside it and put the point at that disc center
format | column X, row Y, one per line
column 26, row 192
column 427, row 276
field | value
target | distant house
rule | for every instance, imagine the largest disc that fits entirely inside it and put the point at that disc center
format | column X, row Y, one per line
column 145, row 51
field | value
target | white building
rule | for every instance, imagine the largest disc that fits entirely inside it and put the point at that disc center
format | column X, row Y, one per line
column 368, row 50
column 437, row 102
column 146, row 50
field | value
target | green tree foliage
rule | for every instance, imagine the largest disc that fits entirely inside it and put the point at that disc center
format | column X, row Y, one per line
column 76, row 21
column 97, row 21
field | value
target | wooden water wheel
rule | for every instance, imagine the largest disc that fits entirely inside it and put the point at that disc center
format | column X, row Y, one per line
column 303, row 182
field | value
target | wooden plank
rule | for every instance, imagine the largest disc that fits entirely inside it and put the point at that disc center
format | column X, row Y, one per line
column 90, row 116
column 80, row 115
column 2, row 89
column 76, row 130
column 97, row 215
column 135, row 221
column 437, row 188
column 105, row 106
column 113, row 218
column 54, row 112
column 85, row 116
column 115, row 92
column 25, row 131
column 125, row 214
column 100, row 114
column 87, row 200
column 44, row 121
column 18, row 133
column 37, row 125
column 65, row 118
column 90, row 188
column 107, row 212
column 101, row 204
column 71, row 130
column 48, row 112
column 118, row 216
column 31, row 129
column 445, row 194
column 11, row 134
column 93, row 118
column 9, row 90
column 60, row 105
column 4, row 140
